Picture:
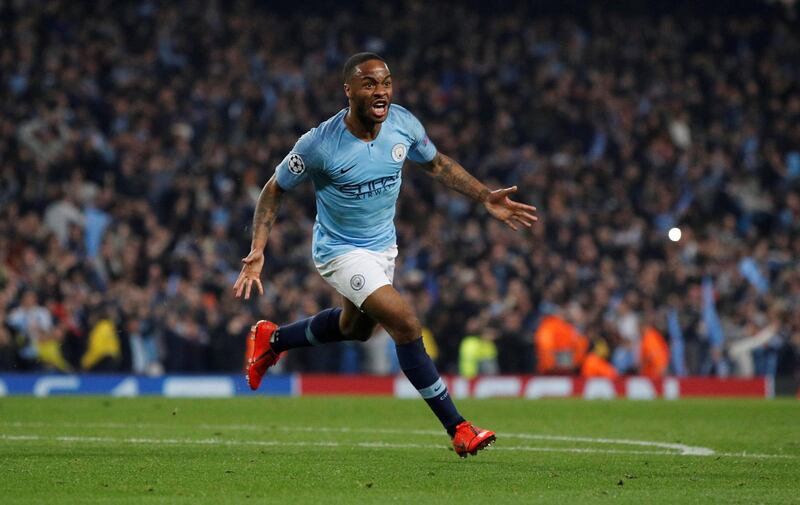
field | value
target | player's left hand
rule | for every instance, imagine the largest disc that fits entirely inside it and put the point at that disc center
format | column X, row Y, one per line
column 508, row 211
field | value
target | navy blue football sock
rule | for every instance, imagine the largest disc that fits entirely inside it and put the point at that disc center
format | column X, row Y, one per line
column 319, row 329
column 421, row 372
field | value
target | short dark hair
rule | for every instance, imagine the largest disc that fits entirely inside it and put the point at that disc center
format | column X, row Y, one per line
column 357, row 59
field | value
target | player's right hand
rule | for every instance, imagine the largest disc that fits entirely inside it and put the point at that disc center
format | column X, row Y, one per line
column 250, row 274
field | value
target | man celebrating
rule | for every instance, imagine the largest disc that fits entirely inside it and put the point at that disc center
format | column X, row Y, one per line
column 354, row 160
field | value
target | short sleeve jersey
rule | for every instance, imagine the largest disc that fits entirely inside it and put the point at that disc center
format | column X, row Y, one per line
column 356, row 182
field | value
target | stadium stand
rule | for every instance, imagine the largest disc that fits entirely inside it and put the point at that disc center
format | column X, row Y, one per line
column 137, row 135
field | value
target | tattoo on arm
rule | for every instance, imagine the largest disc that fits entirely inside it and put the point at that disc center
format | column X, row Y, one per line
column 269, row 202
column 450, row 173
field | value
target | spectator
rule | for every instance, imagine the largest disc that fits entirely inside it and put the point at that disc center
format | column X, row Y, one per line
column 560, row 348
column 628, row 350
column 35, row 324
column 654, row 354
column 596, row 366
column 478, row 352
column 756, row 339
column 103, row 350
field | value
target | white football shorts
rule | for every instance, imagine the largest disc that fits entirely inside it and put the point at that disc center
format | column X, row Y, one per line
column 358, row 273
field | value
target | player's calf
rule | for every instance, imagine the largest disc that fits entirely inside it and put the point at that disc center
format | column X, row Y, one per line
column 319, row 329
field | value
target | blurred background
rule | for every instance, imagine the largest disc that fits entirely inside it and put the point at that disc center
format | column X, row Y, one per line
column 659, row 140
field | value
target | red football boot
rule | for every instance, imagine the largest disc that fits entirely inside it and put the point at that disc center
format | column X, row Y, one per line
column 470, row 439
column 260, row 355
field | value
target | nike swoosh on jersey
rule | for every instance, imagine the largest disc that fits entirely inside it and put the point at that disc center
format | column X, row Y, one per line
column 345, row 170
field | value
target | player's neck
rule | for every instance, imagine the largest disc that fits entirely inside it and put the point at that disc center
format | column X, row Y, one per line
column 360, row 129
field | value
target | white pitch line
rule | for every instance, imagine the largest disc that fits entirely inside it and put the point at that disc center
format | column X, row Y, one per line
column 280, row 443
column 365, row 445
column 682, row 449
column 685, row 450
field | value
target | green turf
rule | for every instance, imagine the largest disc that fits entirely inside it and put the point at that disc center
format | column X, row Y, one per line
column 268, row 450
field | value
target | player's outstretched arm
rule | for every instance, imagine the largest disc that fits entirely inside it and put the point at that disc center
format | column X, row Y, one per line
column 450, row 173
column 269, row 201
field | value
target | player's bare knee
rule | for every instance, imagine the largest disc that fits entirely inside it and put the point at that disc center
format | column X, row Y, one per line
column 357, row 328
column 407, row 330
column 354, row 331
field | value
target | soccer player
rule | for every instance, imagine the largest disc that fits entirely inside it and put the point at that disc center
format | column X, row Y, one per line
column 354, row 159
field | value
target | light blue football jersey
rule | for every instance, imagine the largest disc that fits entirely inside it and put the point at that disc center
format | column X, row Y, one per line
column 356, row 182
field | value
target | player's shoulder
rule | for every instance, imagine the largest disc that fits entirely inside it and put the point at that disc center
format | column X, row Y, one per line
column 404, row 118
column 321, row 136
column 332, row 126
column 402, row 113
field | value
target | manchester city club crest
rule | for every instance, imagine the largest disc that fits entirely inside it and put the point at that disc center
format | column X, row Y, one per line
column 357, row 282
column 399, row 152
column 296, row 164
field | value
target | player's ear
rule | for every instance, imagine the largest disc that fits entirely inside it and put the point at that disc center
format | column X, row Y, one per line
column 347, row 90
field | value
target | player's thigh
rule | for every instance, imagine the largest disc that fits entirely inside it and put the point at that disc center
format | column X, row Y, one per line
column 394, row 313
column 361, row 274
column 354, row 323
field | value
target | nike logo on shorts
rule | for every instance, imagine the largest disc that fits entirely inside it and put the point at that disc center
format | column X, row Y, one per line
column 345, row 170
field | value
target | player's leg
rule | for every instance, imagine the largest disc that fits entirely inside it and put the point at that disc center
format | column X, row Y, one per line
column 331, row 325
column 355, row 324
column 395, row 314
column 353, row 275
column 266, row 341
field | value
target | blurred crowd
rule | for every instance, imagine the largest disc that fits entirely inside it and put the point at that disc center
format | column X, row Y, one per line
column 137, row 135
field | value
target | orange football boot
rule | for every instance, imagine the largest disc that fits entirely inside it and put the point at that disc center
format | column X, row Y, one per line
column 260, row 355
column 469, row 439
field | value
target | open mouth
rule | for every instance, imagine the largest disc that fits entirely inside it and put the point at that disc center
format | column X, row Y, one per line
column 380, row 107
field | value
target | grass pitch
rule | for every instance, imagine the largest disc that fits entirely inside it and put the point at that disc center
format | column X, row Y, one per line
column 378, row 450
